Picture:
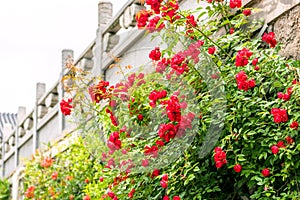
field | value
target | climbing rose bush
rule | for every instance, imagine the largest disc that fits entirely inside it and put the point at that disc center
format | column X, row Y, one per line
column 216, row 119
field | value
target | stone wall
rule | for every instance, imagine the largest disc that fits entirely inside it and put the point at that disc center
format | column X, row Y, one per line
column 287, row 31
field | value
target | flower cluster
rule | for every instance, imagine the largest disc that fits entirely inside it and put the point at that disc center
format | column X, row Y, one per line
column 178, row 64
column 270, row 39
column 144, row 21
column 275, row 148
column 235, row 4
column 30, row 192
column 155, row 95
column 164, row 181
column 112, row 195
column 167, row 131
column 279, row 115
column 169, row 10
column 112, row 117
column 294, row 125
column 114, row 142
column 155, row 5
column 66, row 107
column 190, row 21
column 100, row 91
column 152, row 151
column 285, row 96
column 242, row 81
column 161, row 65
column 193, row 51
column 173, row 109
column 219, row 157
column 130, row 194
column 155, row 54
column 47, row 162
column 242, row 57
column 153, row 23
column 142, row 18
column 289, row 140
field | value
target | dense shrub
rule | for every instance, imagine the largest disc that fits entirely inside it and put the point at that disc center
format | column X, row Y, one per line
column 4, row 189
column 217, row 118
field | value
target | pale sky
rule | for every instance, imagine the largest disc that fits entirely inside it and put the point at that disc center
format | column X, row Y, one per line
column 32, row 35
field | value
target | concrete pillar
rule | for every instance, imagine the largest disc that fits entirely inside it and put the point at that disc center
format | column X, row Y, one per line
column 21, row 114
column 67, row 55
column 19, row 132
column 40, row 91
column 105, row 12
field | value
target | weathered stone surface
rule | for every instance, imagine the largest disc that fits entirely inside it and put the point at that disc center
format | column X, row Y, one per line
column 51, row 100
column 42, row 111
column 287, row 31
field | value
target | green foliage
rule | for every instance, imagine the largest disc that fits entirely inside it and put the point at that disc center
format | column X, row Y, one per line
column 4, row 189
column 237, row 120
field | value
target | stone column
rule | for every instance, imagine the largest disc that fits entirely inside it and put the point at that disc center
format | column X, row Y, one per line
column 105, row 11
column 20, row 117
column 40, row 91
column 67, row 55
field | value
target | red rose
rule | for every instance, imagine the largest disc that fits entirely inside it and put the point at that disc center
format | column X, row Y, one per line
column 290, row 90
column 294, row 125
column 274, row 149
column 66, row 107
column 145, row 162
column 163, row 184
column 165, row 177
column 156, row 172
column 237, row 168
column 279, row 115
column 166, row 198
column 256, row 68
column 247, row 12
column 280, row 144
column 176, row 198
column 241, row 76
column 155, row 54
column 231, row 30
column 212, row 50
column 87, row 197
column 217, row 149
column 286, row 97
column 243, row 85
column 242, row 57
column 251, row 83
column 265, row 172
column 54, row 175
column 289, row 140
column 254, row 61
column 219, row 164
column 140, row 117
column 101, row 179
column 270, row 39
column 235, row 4
column 280, row 95
column 130, row 194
